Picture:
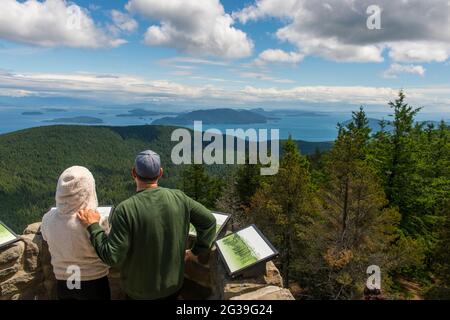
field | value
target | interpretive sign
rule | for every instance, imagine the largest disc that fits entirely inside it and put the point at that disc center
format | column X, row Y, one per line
column 221, row 220
column 245, row 249
column 7, row 236
column 105, row 212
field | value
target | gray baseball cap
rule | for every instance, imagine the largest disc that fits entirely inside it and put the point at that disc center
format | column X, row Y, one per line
column 147, row 164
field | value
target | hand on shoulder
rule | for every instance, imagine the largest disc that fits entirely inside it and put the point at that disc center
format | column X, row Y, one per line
column 88, row 217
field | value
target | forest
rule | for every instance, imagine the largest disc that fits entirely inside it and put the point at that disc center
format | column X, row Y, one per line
column 333, row 210
column 374, row 199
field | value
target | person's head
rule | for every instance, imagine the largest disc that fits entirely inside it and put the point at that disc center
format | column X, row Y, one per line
column 147, row 168
column 76, row 191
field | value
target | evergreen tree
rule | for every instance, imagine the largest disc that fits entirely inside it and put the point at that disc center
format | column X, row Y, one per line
column 230, row 202
column 354, row 228
column 379, row 152
column 412, row 163
column 248, row 180
column 432, row 185
column 282, row 205
column 197, row 184
column 402, row 162
column 442, row 256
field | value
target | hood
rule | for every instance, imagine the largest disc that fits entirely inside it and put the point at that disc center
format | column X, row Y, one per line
column 76, row 191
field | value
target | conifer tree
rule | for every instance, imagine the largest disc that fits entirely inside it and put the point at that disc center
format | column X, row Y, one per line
column 230, row 203
column 197, row 184
column 402, row 161
column 354, row 228
column 442, row 255
column 282, row 205
column 248, row 180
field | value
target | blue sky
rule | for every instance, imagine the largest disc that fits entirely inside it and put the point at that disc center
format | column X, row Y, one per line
column 278, row 53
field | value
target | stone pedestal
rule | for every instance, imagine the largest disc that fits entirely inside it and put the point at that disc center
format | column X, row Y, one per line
column 26, row 273
column 212, row 275
column 25, row 269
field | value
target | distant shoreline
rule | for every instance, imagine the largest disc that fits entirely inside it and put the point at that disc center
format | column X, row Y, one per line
column 76, row 120
column 134, row 126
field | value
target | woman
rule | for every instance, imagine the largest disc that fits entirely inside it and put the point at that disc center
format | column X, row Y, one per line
column 72, row 255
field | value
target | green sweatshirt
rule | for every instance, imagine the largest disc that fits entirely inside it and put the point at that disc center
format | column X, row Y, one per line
column 148, row 237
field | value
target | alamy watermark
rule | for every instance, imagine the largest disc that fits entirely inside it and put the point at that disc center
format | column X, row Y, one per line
column 231, row 151
column 374, row 279
column 74, row 16
column 374, row 20
column 74, row 280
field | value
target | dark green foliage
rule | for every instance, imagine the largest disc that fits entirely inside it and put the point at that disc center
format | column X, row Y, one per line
column 413, row 164
column 308, row 148
column 197, row 184
column 352, row 228
column 32, row 160
column 248, row 180
column 400, row 177
column 441, row 260
column 373, row 199
column 282, row 206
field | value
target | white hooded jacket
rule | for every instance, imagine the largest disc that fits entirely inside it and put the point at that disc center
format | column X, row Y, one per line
column 68, row 240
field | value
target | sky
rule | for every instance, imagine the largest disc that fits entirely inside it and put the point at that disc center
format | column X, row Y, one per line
column 302, row 54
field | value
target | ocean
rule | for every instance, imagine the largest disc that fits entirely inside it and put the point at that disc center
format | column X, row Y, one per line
column 312, row 127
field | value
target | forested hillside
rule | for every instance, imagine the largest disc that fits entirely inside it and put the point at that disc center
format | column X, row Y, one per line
column 31, row 161
column 375, row 199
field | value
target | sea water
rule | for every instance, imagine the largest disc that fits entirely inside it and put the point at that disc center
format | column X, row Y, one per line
column 313, row 127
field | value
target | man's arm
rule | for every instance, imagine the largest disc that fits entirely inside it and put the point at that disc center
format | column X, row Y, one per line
column 112, row 248
column 205, row 225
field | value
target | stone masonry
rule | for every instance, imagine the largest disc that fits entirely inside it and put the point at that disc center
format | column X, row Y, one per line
column 26, row 274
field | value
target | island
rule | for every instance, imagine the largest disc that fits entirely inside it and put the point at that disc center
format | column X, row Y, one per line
column 32, row 113
column 79, row 120
column 214, row 116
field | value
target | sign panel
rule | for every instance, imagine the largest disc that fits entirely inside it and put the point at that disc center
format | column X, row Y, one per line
column 221, row 220
column 7, row 236
column 105, row 212
column 244, row 249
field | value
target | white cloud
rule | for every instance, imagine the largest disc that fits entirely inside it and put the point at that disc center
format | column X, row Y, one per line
column 181, row 73
column 278, row 56
column 192, row 26
column 424, row 51
column 265, row 77
column 325, row 94
column 15, row 93
column 263, row 9
column 331, row 48
column 52, row 23
column 337, row 30
column 396, row 69
column 128, row 89
column 183, row 67
column 190, row 60
column 123, row 21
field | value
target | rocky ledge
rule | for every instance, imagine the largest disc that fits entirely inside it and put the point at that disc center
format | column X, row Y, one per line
column 26, row 274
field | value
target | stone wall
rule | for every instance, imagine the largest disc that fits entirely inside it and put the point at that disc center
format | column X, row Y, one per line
column 263, row 284
column 26, row 274
column 25, row 270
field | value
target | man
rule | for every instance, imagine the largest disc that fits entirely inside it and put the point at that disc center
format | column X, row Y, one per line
column 148, row 234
